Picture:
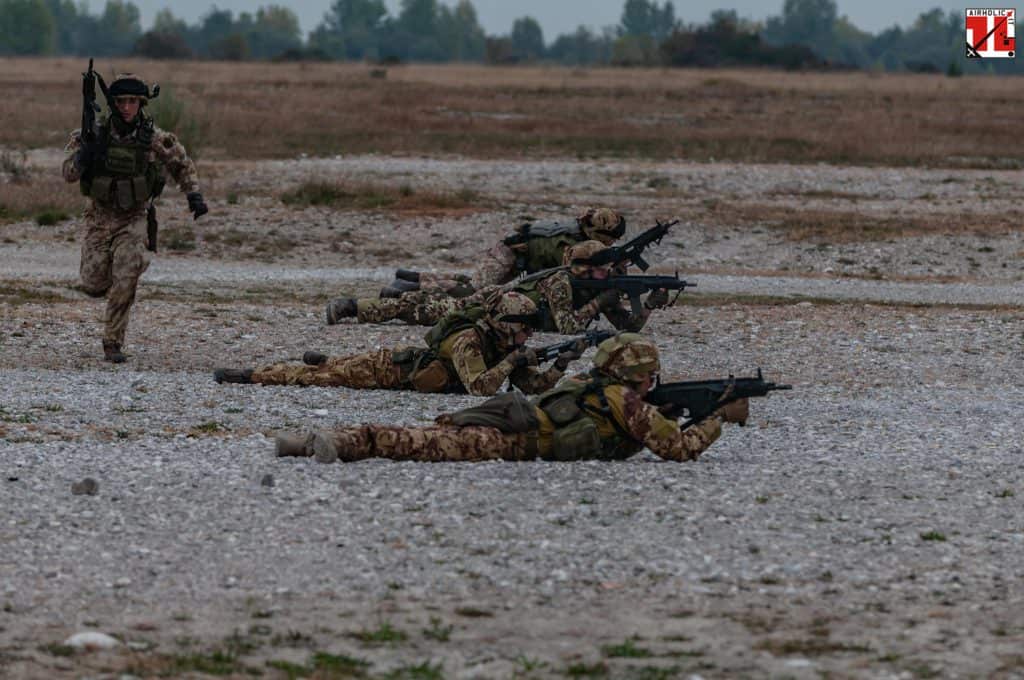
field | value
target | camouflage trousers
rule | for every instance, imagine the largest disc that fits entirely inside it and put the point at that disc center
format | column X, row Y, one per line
column 419, row 308
column 496, row 266
column 114, row 256
column 371, row 370
column 436, row 443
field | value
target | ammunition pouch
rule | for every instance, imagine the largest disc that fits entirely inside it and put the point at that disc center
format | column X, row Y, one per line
column 421, row 367
column 576, row 441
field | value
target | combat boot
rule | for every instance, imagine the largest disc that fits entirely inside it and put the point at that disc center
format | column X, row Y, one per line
column 397, row 287
column 293, row 445
column 407, row 275
column 112, row 352
column 341, row 308
column 324, row 450
column 312, row 358
column 240, row 376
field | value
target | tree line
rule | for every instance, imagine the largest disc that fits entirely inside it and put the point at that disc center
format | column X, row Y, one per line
column 806, row 34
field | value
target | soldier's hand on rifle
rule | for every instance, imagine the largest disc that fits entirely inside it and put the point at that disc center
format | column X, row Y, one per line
column 608, row 299
column 523, row 357
column 196, row 204
column 657, row 299
column 568, row 356
column 86, row 156
column 735, row 412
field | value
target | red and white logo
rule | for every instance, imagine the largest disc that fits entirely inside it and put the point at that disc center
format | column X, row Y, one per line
column 990, row 33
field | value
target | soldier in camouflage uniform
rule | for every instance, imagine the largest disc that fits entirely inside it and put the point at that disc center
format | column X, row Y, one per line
column 534, row 246
column 600, row 415
column 472, row 351
column 563, row 310
column 122, row 173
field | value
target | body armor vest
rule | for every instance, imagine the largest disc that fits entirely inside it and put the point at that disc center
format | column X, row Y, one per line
column 576, row 435
column 545, row 242
column 431, row 369
column 528, row 287
column 121, row 177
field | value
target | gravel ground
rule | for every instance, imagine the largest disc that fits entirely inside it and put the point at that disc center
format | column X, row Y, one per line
column 866, row 524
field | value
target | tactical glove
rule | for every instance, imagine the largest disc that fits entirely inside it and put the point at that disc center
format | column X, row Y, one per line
column 570, row 355
column 735, row 412
column 523, row 357
column 86, row 157
column 196, row 204
column 657, row 299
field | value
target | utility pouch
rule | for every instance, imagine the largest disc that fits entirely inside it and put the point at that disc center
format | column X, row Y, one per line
column 139, row 189
column 100, row 189
column 576, row 441
column 120, row 160
column 511, row 413
column 124, row 195
column 562, row 410
column 433, row 377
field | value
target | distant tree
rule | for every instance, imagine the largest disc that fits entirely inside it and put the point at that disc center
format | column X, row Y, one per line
column 161, row 45
column 351, row 29
column 275, row 30
column 647, row 18
column 460, row 33
column 232, row 47
column 805, row 22
column 582, row 47
column 117, row 29
column 26, row 27
column 213, row 29
column 499, row 50
column 65, row 18
column 527, row 38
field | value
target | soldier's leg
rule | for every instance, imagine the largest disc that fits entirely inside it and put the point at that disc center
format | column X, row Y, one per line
column 455, row 285
column 420, row 308
column 498, row 265
column 371, row 370
column 94, row 266
column 129, row 259
column 435, row 443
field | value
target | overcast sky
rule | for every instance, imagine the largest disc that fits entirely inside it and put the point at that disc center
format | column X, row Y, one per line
column 563, row 16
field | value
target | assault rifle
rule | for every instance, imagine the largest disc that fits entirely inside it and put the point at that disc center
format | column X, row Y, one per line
column 700, row 398
column 551, row 352
column 633, row 286
column 633, row 250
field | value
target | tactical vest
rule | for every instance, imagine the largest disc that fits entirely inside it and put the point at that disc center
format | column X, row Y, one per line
column 430, row 369
column 545, row 243
column 121, row 177
column 576, row 435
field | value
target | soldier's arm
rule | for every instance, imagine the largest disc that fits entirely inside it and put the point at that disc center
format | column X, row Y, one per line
column 468, row 358
column 70, row 169
column 623, row 319
column 557, row 290
column 661, row 435
column 172, row 155
column 532, row 380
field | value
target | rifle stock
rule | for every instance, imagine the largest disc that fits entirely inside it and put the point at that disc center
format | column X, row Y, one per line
column 591, row 338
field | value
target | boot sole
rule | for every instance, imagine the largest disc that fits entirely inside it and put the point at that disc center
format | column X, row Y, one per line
column 323, row 449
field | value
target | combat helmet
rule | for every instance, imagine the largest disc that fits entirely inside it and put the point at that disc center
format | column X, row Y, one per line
column 130, row 85
column 510, row 313
column 602, row 224
column 575, row 255
column 629, row 357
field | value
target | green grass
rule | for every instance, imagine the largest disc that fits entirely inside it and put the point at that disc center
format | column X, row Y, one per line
column 626, row 650
column 384, row 634
column 422, row 671
column 50, row 217
column 437, row 630
column 933, row 536
column 582, row 670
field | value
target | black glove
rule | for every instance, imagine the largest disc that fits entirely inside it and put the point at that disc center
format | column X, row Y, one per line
column 523, row 357
column 657, row 299
column 86, row 156
column 196, row 204
column 568, row 356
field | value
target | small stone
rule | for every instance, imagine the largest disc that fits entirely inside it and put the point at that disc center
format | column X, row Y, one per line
column 90, row 641
column 267, row 481
column 122, row 582
column 86, row 487
column 320, row 412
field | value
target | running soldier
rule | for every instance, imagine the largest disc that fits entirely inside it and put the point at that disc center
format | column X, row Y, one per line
column 535, row 246
column 601, row 415
column 474, row 350
column 121, row 168
column 563, row 309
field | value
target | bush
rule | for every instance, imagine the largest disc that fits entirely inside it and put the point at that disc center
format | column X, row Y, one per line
column 170, row 113
column 162, row 45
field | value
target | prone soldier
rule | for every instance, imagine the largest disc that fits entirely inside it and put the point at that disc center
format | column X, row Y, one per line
column 600, row 415
column 473, row 350
column 120, row 165
column 563, row 308
column 535, row 246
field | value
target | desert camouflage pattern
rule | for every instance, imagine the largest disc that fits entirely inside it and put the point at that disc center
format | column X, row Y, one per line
column 114, row 254
column 418, row 308
column 370, row 370
column 464, row 351
column 645, row 426
column 628, row 357
column 557, row 292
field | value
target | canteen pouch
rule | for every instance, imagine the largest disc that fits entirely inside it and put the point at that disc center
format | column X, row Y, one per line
column 100, row 189
column 576, row 441
column 562, row 410
column 432, row 377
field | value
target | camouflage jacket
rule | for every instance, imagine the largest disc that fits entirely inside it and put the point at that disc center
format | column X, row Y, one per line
column 570, row 319
column 482, row 376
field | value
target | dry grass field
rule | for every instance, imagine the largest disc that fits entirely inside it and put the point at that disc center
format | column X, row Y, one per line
column 260, row 110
